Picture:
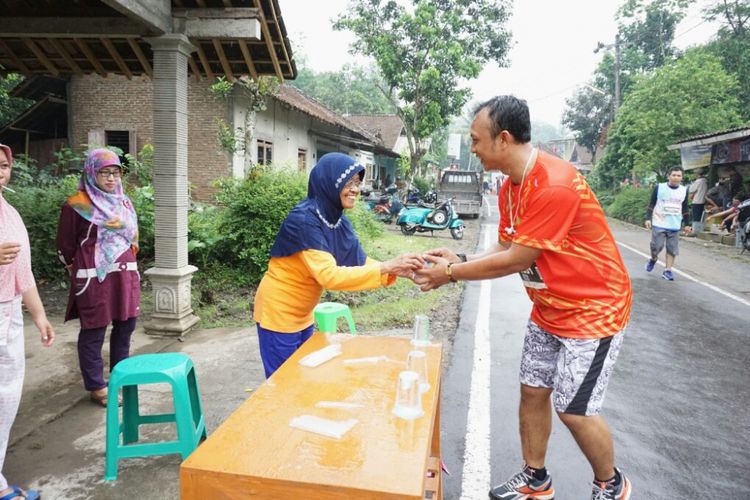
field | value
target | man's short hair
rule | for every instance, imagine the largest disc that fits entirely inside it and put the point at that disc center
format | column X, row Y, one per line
column 507, row 112
column 676, row 168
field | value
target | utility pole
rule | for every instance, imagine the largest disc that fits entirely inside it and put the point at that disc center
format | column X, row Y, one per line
column 617, row 73
column 618, row 92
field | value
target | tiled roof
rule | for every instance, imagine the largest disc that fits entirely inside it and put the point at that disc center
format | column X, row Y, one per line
column 387, row 128
column 294, row 98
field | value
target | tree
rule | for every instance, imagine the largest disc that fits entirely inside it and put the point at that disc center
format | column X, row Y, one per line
column 352, row 90
column 732, row 43
column 426, row 50
column 646, row 32
column 10, row 107
column 693, row 95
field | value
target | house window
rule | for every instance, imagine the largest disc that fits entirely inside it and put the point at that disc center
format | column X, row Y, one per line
column 265, row 152
column 119, row 139
column 302, row 160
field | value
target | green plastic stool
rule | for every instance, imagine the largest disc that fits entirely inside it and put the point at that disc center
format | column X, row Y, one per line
column 174, row 368
column 327, row 313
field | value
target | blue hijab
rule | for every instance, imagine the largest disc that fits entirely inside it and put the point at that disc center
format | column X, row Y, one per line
column 318, row 222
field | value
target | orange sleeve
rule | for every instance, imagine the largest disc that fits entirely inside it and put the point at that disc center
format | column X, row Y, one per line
column 322, row 266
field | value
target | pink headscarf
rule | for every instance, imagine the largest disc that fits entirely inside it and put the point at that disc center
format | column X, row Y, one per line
column 113, row 213
column 8, row 154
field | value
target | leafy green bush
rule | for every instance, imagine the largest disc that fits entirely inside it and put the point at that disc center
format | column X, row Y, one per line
column 630, row 205
column 255, row 209
column 143, row 202
column 422, row 184
column 364, row 222
column 205, row 238
column 605, row 197
column 40, row 210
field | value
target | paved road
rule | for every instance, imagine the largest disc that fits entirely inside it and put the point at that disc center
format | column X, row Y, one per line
column 677, row 402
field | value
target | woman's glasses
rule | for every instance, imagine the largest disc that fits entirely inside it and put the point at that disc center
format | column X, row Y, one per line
column 352, row 184
column 106, row 174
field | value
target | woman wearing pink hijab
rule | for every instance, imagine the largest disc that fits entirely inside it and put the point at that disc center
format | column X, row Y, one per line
column 16, row 286
column 97, row 240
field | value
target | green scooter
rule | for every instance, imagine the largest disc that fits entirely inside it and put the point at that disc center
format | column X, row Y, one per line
column 423, row 219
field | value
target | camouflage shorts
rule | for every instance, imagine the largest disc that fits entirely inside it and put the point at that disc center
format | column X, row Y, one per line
column 577, row 370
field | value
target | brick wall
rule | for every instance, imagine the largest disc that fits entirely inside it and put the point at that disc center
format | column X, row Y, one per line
column 116, row 103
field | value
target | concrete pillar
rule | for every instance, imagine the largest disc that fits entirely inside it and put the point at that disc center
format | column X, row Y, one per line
column 173, row 312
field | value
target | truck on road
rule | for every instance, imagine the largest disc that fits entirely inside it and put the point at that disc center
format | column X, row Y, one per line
column 465, row 187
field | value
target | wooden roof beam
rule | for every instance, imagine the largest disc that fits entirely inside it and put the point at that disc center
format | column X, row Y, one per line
column 269, row 44
column 223, row 59
column 141, row 57
column 194, row 67
column 42, row 57
column 287, row 60
column 74, row 67
column 91, row 57
column 70, row 27
column 116, row 56
column 204, row 61
column 248, row 59
column 14, row 58
column 154, row 15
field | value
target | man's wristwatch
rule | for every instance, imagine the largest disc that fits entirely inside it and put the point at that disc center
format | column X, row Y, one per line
column 461, row 256
column 449, row 272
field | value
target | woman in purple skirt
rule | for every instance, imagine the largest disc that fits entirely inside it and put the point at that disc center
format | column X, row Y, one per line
column 97, row 241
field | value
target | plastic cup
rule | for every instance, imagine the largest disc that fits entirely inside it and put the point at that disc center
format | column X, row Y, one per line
column 416, row 362
column 408, row 398
column 421, row 335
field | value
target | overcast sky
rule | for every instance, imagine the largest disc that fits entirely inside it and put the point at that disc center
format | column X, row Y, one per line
column 553, row 48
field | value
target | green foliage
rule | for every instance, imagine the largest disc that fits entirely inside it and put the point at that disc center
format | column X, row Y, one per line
column 11, row 107
column 140, row 167
column 422, row 184
column 143, row 202
column 350, row 90
column 255, row 209
column 364, row 222
column 691, row 96
column 630, row 205
column 205, row 238
column 254, row 95
column 426, row 50
column 40, row 210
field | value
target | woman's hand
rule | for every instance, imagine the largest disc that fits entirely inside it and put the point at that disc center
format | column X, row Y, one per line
column 46, row 332
column 8, row 252
column 403, row 265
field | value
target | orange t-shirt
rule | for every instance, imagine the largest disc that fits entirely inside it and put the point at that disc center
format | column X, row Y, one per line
column 579, row 284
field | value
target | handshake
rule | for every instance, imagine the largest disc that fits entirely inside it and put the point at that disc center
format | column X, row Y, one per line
column 428, row 270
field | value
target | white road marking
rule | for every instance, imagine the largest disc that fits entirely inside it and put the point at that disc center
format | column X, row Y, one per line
column 686, row 275
column 476, row 472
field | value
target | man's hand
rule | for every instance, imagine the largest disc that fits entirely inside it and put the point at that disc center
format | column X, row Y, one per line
column 444, row 253
column 647, row 224
column 8, row 252
column 429, row 278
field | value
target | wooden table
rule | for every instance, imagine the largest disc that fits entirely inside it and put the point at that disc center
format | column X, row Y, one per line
column 255, row 453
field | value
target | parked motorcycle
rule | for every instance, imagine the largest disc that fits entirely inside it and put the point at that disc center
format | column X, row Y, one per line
column 385, row 208
column 423, row 219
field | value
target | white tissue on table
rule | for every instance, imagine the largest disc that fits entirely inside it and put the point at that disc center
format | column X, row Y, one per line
column 320, row 356
column 341, row 405
column 365, row 361
column 323, row 426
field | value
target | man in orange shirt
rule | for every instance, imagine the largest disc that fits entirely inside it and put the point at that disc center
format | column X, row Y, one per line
column 553, row 232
